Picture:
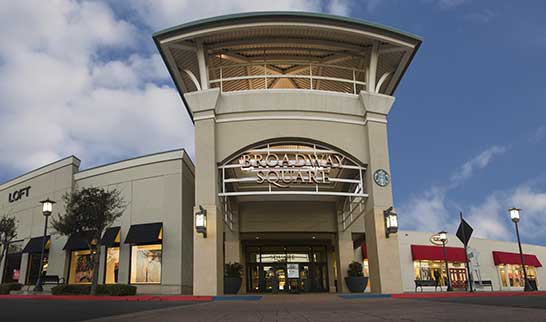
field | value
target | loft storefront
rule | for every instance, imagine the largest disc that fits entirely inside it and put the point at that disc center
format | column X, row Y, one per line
column 149, row 246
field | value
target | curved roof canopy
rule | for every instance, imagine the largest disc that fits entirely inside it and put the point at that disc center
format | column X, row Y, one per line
column 267, row 50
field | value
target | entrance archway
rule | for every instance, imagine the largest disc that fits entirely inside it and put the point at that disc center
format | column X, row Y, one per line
column 308, row 192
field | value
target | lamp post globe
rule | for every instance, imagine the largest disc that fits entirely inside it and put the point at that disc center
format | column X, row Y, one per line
column 514, row 215
column 47, row 209
column 442, row 236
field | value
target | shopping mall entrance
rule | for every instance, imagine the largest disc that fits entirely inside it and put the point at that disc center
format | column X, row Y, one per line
column 286, row 268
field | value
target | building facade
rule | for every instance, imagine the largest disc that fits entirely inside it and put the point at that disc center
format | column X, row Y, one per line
column 292, row 167
column 158, row 190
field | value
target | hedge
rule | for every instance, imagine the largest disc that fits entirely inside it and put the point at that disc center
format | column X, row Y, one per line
column 7, row 287
column 108, row 289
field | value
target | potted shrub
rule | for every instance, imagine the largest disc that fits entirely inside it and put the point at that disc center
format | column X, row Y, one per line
column 232, row 278
column 356, row 281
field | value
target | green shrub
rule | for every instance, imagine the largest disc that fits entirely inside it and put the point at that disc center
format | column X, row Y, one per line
column 67, row 289
column 355, row 270
column 116, row 289
column 233, row 269
column 7, row 287
column 108, row 289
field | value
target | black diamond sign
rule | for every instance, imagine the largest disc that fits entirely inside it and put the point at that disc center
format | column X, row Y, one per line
column 464, row 232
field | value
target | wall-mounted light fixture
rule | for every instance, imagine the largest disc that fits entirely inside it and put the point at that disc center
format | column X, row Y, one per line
column 391, row 222
column 201, row 221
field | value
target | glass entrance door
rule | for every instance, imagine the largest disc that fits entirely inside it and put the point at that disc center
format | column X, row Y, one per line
column 284, row 269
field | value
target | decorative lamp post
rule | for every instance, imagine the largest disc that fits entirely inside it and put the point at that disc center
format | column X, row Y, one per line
column 201, row 221
column 47, row 209
column 442, row 236
column 391, row 222
column 514, row 215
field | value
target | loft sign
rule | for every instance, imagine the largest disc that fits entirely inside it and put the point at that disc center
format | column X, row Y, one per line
column 18, row 194
column 282, row 169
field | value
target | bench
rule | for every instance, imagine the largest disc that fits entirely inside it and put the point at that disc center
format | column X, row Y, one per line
column 482, row 284
column 421, row 283
column 52, row 279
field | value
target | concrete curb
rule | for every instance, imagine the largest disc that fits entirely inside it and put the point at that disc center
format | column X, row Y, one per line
column 136, row 298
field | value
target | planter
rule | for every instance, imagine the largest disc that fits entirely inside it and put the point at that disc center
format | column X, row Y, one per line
column 356, row 284
column 232, row 285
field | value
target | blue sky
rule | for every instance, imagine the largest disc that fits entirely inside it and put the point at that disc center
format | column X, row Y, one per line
column 467, row 131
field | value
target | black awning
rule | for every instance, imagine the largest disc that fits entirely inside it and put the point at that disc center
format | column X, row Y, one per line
column 77, row 242
column 110, row 237
column 34, row 245
column 145, row 234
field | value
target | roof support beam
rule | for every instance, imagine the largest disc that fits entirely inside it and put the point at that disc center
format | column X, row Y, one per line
column 203, row 70
column 372, row 68
column 398, row 72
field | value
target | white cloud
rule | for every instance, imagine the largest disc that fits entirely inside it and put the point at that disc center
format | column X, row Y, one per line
column 430, row 208
column 427, row 209
column 489, row 218
column 478, row 162
column 159, row 14
column 60, row 94
column 446, row 4
column 77, row 78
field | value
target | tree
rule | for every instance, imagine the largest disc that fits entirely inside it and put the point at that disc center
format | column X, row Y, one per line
column 8, row 231
column 88, row 212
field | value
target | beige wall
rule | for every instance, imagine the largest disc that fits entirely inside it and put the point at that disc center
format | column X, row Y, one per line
column 306, row 216
column 50, row 181
column 353, row 124
column 154, row 191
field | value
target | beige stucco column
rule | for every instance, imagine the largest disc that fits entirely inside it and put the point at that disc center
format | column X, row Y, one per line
column 208, row 252
column 232, row 245
column 383, row 252
column 344, row 256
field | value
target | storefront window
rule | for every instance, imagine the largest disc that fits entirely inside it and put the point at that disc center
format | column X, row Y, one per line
column 12, row 266
column 512, row 275
column 112, row 265
column 34, row 267
column 433, row 269
column 146, row 264
column 81, row 267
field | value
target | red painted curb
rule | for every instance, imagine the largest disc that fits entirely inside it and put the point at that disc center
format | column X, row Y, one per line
column 460, row 294
column 137, row 298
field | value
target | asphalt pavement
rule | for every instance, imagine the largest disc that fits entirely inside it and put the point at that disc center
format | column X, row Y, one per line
column 534, row 302
column 23, row 310
column 297, row 308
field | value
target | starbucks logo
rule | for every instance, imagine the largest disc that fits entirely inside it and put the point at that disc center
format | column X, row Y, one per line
column 381, row 178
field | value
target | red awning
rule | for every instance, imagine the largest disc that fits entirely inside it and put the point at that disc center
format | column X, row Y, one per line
column 364, row 251
column 422, row 252
column 513, row 258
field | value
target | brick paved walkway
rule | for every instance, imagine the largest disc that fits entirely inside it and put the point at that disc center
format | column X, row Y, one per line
column 330, row 308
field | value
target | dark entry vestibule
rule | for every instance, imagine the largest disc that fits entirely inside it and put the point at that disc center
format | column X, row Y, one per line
column 286, row 269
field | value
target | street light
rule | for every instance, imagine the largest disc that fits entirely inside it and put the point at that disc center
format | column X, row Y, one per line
column 391, row 222
column 47, row 209
column 201, row 221
column 514, row 215
column 442, row 236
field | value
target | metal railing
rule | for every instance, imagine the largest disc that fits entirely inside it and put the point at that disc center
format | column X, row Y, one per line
column 268, row 72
